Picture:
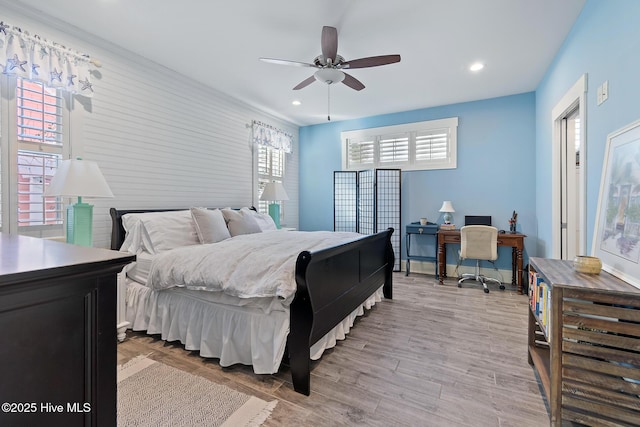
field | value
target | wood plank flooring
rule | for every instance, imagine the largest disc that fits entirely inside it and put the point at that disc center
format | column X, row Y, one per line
column 433, row 356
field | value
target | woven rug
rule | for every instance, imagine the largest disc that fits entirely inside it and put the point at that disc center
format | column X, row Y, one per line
column 151, row 393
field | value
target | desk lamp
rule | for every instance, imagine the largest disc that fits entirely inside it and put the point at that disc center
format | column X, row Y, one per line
column 274, row 192
column 79, row 178
column 447, row 208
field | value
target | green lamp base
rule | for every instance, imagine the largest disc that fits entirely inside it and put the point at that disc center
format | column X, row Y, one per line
column 80, row 224
column 274, row 212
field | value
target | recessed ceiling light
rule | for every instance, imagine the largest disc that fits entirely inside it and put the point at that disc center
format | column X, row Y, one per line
column 476, row 66
column 296, row 102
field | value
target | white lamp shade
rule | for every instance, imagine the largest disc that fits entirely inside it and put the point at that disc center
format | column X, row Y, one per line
column 447, row 207
column 78, row 178
column 274, row 191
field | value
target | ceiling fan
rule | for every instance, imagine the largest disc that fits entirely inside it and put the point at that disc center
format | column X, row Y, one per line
column 331, row 66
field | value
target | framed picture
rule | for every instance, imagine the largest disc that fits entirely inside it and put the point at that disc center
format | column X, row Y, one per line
column 617, row 230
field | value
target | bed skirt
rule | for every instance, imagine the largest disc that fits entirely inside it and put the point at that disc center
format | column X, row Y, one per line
column 248, row 335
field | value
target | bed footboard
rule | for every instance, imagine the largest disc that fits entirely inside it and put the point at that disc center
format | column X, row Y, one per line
column 332, row 283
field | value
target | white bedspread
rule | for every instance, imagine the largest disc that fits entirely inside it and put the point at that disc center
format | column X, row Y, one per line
column 245, row 266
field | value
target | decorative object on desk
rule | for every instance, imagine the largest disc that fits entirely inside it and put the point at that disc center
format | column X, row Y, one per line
column 587, row 264
column 423, row 221
column 512, row 222
column 447, row 208
column 79, row 178
column 274, row 192
column 616, row 237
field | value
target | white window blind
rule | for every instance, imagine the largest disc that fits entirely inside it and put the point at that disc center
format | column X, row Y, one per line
column 271, row 168
column 35, row 170
column 394, row 148
column 432, row 145
column 34, row 146
column 413, row 146
column 40, row 144
column 361, row 152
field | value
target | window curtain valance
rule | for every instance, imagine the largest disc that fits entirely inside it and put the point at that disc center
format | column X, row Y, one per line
column 264, row 134
column 35, row 58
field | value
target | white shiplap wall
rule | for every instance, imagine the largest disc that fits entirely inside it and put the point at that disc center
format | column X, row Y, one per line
column 160, row 139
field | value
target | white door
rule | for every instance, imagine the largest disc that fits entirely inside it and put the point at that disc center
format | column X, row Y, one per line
column 570, row 190
column 568, row 173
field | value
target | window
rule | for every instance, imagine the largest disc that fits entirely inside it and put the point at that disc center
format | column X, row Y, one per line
column 414, row 146
column 270, row 168
column 34, row 146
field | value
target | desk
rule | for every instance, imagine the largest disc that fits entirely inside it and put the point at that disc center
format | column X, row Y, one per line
column 515, row 241
column 429, row 229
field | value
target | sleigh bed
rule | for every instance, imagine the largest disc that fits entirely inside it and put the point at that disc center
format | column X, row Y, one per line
column 330, row 286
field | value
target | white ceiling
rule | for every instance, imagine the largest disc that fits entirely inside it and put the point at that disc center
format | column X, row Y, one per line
column 218, row 43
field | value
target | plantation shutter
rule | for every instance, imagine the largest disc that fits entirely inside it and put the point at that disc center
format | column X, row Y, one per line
column 432, row 145
column 361, row 152
column 40, row 148
column 394, row 148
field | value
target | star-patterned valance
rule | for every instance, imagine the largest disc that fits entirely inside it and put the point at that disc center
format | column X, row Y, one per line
column 268, row 135
column 35, row 58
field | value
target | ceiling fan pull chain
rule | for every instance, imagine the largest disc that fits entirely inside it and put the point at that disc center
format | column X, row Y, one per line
column 329, row 102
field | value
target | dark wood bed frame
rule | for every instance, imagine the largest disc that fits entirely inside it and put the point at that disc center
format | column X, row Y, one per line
column 331, row 283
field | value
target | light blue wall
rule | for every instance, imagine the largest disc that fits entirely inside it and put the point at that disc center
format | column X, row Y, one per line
column 495, row 173
column 604, row 43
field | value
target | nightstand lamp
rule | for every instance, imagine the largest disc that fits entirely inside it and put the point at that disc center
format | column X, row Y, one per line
column 274, row 192
column 79, row 178
column 447, row 208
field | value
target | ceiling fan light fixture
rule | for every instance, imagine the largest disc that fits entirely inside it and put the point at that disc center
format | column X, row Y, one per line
column 329, row 75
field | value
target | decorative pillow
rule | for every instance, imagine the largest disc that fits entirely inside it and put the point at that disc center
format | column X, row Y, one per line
column 240, row 222
column 210, row 225
column 265, row 222
column 160, row 231
column 136, row 239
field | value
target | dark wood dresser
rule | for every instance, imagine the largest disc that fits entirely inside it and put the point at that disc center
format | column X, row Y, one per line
column 57, row 323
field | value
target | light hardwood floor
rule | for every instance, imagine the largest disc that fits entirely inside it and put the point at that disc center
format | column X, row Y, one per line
column 433, row 356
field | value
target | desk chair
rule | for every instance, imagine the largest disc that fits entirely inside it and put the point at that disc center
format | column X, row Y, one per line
column 479, row 242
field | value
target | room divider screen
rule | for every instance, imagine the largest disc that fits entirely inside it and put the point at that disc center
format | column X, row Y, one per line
column 367, row 202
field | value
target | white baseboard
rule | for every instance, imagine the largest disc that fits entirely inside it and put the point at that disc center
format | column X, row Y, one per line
column 426, row 267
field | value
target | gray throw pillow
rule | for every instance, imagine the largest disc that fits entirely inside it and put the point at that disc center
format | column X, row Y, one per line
column 210, row 225
column 240, row 222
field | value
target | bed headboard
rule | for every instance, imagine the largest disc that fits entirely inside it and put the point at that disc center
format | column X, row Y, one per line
column 117, row 230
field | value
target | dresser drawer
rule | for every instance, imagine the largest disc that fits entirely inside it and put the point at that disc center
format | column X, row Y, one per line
column 416, row 228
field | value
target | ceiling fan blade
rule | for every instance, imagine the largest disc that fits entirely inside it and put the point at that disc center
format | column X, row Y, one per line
column 372, row 61
column 305, row 83
column 329, row 43
column 352, row 82
column 286, row 62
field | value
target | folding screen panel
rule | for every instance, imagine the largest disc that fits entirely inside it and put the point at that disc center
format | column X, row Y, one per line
column 387, row 206
column 367, row 202
column 345, row 200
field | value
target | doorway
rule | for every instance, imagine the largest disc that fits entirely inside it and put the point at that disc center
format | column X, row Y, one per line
column 570, row 197
column 569, row 174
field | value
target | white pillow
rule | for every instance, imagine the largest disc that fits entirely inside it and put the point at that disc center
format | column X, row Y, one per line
column 240, row 222
column 265, row 222
column 161, row 231
column 210, row 225
column 136, row 239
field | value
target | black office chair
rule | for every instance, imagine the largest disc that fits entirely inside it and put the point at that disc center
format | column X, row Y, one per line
column 479, row 242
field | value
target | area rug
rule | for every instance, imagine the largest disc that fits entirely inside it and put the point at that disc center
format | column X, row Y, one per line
column 151, row 393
